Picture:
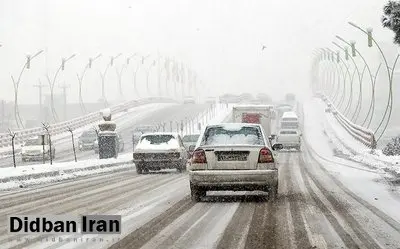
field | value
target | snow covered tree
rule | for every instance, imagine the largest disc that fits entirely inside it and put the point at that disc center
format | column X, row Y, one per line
column 391, row 18
column 393, row 147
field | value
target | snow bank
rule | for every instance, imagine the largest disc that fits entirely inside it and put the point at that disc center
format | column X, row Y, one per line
column 45, row 173
column 346, row 145
column 147, row 145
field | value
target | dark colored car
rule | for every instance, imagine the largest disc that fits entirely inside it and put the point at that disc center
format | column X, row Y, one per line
column 87, row 140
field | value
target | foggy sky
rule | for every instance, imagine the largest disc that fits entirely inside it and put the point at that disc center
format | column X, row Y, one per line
column 219, row 39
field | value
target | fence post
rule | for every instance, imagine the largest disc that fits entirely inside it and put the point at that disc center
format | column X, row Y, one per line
column 12, row 134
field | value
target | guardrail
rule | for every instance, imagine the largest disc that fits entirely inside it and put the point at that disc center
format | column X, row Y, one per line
column 363, row 135
column 61, row 127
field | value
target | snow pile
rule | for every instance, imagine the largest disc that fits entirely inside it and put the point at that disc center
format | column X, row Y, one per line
column 44, row 173
column 147, row 145
column 345, row 145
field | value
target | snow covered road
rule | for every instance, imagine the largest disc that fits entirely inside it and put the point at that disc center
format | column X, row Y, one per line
column 324, row 202
column 317, row 208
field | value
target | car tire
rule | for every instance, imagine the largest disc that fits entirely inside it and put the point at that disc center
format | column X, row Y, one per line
column 139, row 169
column 273, row 192
column 196, row 193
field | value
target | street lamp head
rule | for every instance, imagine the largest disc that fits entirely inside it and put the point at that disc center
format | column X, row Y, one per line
column 90, row 62
column 346, row 50
column 112, row 60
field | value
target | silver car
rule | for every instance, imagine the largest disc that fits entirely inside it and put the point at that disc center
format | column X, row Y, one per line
column 233, row 156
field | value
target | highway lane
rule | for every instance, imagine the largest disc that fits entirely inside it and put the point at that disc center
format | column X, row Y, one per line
column 314, row 210
column 125, row 124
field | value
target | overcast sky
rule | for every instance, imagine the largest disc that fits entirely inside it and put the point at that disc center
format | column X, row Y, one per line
column 220, row 40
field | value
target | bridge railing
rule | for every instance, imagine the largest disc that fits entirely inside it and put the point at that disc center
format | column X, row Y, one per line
column 61, row 127
column 361, row 134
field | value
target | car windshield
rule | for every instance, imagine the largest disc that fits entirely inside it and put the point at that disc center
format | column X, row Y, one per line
column 220, row 135
column 157, row 139
column 89, row 134
column 190, row 138
column 35, row 141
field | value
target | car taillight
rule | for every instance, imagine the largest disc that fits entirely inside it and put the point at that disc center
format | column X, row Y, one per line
column 265, row 156
column 199, row 156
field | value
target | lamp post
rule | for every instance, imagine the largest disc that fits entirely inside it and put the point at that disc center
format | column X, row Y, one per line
column 16, row 84
column 371, row 108
column 135, row 71
column 389, row 105
column 360, row 76
column 80, row 80
column 147, row 77
column 343, row 97
column 119, row 75
column 52, row 83
column 103, row 76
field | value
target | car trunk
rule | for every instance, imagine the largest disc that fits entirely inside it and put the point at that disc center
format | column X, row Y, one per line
column 232, row 157
column 288, row 138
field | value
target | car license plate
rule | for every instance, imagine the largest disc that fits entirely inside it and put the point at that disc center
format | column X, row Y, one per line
column 232, row 157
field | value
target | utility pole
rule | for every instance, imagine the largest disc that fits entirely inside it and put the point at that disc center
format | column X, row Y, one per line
column 40, row 86
column 64, row 87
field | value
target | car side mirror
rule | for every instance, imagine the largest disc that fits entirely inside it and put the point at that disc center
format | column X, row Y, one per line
column 277, row 146
column 191, row 148
column 273, row 136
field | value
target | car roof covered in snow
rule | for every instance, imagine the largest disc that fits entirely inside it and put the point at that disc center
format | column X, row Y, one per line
column 233, row 126
column 289, row 115
column 175, row 134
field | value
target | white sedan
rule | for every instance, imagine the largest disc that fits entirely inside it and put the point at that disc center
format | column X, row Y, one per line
column 233, row 156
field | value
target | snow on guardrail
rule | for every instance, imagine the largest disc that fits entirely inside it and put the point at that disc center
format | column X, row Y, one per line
column 363, row 135
column 78, row 122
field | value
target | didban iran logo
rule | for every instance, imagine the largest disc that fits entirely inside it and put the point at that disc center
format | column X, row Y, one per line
column 62, row 224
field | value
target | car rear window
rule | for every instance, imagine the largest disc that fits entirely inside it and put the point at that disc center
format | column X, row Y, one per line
column 288, row 132
column 246, row 135
column 157, row 139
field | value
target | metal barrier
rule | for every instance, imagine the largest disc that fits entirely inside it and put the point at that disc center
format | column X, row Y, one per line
column 363, row 135
column 61, row 127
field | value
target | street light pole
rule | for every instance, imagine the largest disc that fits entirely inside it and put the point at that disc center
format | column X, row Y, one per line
column 354, row 116
column 16, row 84
column 52, row 84
column 389, row 105
column 371, row 109
column 343, row 97
column 119, row 75
column 103, row 76
column 80, row 80
column 135, row 74
column 147, row 78
column 40, row 87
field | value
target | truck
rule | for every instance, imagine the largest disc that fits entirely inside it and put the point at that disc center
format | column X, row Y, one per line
column 289, row 120
column 289, row 138
column 256, row 114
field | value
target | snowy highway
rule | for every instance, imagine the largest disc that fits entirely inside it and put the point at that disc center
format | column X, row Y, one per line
column 324, row 202
column 148, row 114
